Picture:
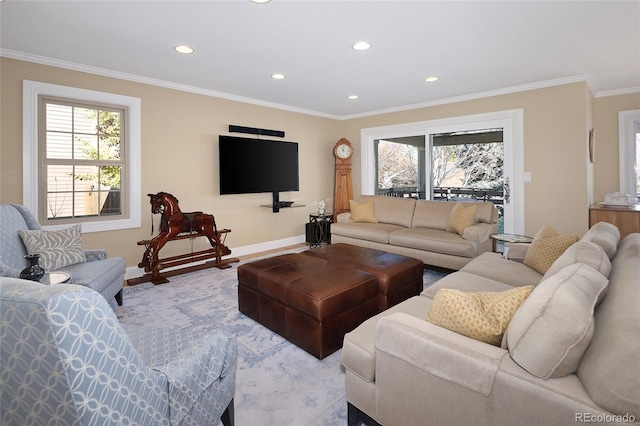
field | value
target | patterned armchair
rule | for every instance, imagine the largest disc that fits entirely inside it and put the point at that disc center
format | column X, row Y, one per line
column 65, row 360
column 102, row 274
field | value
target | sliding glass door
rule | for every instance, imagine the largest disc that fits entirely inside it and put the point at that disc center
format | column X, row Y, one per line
column 466, row 161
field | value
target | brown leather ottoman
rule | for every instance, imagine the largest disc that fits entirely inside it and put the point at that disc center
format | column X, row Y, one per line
column 306, row 300
column 399, row 277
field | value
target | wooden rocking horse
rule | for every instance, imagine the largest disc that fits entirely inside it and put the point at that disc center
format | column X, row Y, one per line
column 177, row 225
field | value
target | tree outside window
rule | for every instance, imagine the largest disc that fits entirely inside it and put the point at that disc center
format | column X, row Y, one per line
column 83, row 164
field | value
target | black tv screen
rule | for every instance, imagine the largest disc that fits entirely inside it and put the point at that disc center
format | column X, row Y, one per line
column 257, row 165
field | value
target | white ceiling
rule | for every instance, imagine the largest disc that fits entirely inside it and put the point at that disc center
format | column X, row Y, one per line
column 475, row 47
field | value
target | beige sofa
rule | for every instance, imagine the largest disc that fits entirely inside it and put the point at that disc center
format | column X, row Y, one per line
column 404, row 370
column 418, row 228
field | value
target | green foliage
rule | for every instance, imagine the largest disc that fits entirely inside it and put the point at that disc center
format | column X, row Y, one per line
column 109, row 145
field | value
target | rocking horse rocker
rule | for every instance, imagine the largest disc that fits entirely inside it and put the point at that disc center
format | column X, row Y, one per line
column 177, row 225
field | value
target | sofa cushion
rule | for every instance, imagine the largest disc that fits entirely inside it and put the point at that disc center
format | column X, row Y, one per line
column 481, row 316
column 434, row 240
column 432, row 214
column 377, row 232
column 362, row 212
column 546, row 247
column 393, row 210
column 57, row 249
column 461, row 218
column 496, row 267
column 609, row 367
column 582, row 252
column 552, row 328
column 464, row 281
column 604, row 234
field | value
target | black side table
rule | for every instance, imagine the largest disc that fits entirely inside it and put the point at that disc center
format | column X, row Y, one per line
column 319, row 229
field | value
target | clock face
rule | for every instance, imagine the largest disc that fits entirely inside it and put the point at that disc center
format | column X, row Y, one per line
column 343, row 151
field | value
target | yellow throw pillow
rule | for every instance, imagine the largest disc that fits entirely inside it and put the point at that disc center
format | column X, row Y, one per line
column 482, row 316
column 461, row 217
column 362, row 212
column 547, row 246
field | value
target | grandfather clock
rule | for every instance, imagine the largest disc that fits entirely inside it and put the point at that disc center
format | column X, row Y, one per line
column 343, row 187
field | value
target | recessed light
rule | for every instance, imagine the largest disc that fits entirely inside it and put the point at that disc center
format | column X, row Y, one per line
column 260, row 1
column 184, row 49
column 352, row 97
column 277, row 76
column 361, row 45
column 431, row 79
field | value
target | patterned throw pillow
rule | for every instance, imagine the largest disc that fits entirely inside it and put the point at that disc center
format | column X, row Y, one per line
column 461, row 217
column 547, row 246
column 362, row 212
column 57, row 249
column 482, row 316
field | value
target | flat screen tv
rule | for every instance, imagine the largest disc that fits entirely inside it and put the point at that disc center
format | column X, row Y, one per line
column 257, row 165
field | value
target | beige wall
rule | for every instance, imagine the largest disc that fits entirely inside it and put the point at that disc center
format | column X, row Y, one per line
column 606, row 159
column 555, row 148
column 179, row 153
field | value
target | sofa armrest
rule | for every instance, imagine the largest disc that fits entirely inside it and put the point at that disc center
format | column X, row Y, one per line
column 344, row 217
column 98, row 254
column 438, row 351
column 479, row 233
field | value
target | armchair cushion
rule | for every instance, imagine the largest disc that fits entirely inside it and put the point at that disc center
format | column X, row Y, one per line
column 57, row 248
column 552, row 328
column 482, row 316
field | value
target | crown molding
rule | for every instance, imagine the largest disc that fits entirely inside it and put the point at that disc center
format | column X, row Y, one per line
column 616, row 92
column 222, row 95
column 474, row 96
column 42, row 60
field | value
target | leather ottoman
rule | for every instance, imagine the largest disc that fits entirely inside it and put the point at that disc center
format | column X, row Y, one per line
column 307, row 301
column 314, row 298
column 399, row 277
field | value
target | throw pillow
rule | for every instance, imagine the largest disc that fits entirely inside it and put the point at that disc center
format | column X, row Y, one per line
column 362, row 212
column 57, row 248
column 546, row 247
column 482, row 316
column 461, row 217
column 548, row 335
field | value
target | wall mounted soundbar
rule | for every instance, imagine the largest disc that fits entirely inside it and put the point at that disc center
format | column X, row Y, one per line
column 255, row 131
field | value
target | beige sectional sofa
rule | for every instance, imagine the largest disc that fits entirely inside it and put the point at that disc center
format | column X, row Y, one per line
column 559, row 362
column 418, row 228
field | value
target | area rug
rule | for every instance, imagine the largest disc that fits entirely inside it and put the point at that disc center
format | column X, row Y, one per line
column 277, row 383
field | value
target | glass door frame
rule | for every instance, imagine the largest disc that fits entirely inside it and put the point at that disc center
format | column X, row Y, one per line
column 512, row 123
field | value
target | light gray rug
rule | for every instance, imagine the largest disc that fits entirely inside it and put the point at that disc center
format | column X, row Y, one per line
column 277, row 383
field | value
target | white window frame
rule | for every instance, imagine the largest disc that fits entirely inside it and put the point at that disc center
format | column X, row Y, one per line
column 512, row 123
column 31, row 91
column 627, row 144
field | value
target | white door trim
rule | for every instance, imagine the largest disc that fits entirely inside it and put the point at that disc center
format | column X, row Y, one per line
column 512, row 123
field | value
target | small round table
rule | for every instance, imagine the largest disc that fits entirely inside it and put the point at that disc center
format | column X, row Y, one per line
column 55, row 278
column 508, row 238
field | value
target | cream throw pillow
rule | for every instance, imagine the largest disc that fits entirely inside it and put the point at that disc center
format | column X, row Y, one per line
column 483, row 316
column 362, row 212
column 461, row 217
column 57, row 249
column 548, row 335
column 547, row 246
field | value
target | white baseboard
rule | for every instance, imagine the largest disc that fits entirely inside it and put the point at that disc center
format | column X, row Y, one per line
column 135, row 272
